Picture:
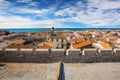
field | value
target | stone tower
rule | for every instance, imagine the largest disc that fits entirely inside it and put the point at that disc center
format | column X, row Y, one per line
column 52, row 31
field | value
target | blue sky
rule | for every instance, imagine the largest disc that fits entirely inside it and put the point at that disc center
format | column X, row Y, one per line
column 60, row 13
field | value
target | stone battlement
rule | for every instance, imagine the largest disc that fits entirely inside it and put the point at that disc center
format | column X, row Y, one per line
column 74, row 55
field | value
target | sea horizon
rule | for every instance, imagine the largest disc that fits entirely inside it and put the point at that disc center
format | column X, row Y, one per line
column 32, row 30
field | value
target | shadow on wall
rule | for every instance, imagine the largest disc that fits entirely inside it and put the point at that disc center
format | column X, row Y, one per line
column 57, row 55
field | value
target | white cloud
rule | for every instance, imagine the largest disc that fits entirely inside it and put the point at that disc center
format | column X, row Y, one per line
column 24, row 1
column 95, row 13
column 20, row 22
column 104, row 4
column 7, row 8
column 25, row 10
column 29, row 2
column 9, row 20
column 34, row 4
column 97, row 18
column 4, row 3
column 66, row 12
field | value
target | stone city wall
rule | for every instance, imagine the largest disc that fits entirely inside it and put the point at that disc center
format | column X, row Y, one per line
column 57, row 55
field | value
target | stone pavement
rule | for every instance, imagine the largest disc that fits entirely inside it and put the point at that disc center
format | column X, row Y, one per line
column 60, row 71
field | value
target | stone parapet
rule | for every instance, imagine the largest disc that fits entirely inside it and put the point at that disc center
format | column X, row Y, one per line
column 56, row 55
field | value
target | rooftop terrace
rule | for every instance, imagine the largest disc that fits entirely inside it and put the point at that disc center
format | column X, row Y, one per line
column 54, row 71
column 39, row 64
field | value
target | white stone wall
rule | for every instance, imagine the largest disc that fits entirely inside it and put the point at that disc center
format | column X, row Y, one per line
column 84, row 52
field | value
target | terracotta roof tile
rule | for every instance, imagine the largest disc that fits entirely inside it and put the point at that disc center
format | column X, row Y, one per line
column 79, row 45
column 103, row 39
column 101, row 45
column 78, row 40
column 16, row 42
column 46, row 45
column 105, row 45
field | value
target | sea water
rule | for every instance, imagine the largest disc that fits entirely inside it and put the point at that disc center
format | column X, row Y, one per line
column 32, row 30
